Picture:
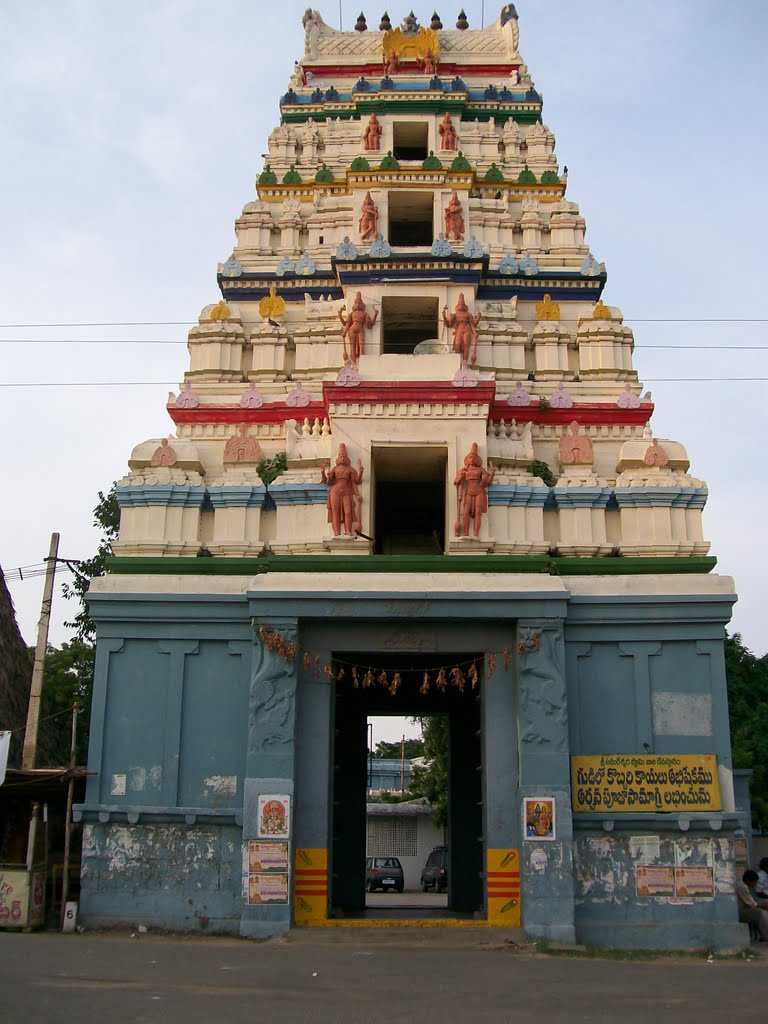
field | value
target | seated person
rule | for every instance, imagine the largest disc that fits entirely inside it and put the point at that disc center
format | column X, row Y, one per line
column 762, row 878
column 752, row 909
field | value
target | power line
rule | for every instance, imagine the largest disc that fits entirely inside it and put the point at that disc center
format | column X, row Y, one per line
column 175, row 383
column 164, row 341
column 187, row 323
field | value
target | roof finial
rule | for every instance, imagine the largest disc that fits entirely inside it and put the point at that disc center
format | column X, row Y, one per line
column 385, row 25
column 462, row 23
column 360, row 24
column 435, row 24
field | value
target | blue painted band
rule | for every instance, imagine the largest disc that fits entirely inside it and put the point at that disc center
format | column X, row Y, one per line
column 299, row 494
column 582, row 497
column 249, row 496
column 661, row 497
column 173, row 495
column 517, row 495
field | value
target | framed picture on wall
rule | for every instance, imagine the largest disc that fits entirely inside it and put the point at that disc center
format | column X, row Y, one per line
column 274, row 816
column 539, row 818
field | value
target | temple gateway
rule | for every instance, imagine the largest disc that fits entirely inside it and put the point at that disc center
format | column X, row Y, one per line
column 413, row 471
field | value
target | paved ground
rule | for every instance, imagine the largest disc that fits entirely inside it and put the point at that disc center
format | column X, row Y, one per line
column 392, row 900
column 364, row 978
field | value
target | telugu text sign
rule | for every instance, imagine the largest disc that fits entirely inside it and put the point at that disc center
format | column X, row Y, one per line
column 623, row 783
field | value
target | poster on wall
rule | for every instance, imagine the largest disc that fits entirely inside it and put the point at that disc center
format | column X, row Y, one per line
column 658, row 880
column 698, row 881
column 269, row 888
column 267, row 856
column 539, row 817
column 274, row 817
column 627, row 783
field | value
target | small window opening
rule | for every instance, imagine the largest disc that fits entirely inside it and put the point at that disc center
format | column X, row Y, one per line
column 321, row 240
column 411, row 218
column 407, row 321
column 410, row 501
column 409, row 140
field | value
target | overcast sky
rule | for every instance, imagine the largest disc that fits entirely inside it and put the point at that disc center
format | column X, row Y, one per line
column 132, row 133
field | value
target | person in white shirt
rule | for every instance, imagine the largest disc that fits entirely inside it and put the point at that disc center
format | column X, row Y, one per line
column 762, row 877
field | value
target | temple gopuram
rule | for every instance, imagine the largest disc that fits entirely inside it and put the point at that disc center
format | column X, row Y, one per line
column 411, row 470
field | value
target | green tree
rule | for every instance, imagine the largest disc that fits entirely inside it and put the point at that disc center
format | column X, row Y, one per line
column 413, row 748
column 748, row 703
column 106, row 516
column 431, row 780
column 68, row 680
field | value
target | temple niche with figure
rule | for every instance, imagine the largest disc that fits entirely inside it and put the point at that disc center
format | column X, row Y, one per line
column 410, row 432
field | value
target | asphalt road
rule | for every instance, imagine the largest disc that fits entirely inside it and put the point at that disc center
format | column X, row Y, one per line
column 365, row 978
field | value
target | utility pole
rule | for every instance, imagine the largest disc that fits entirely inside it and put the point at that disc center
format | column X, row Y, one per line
column 402, row 764
column 33, row 711
column 68, row 819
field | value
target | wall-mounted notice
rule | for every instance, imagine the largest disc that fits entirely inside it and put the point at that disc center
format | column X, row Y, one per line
column 654, row 881
column 267, row 856
column 274, row 817
column 270, row 888
column 694, row 882
column 539, row 817
column 632, row 783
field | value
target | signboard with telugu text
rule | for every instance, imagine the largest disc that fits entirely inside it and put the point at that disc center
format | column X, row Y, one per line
column 645, row 783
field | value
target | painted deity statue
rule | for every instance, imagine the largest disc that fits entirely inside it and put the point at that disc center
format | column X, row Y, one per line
column 472, row 483
column 354, row 328
column 575, row 448
column 429, row 64
column 369, row 219
column 372, row 134
column 241, row 447
column 464, row 327
column 454, row 220
column 343, row 495
column 391, row 63
column 655, row 455
column 164, row 455
column 448, row 137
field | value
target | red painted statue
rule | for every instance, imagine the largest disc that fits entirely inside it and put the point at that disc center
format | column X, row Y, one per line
column 429, row 64
column 391, row 63
column 369, row 219
column 343, row 496
column 575, row 448
column 372, row 134
column 464, row 327
column 454, row 220
column 354, row 328
column 448, row 137
column 472, row 483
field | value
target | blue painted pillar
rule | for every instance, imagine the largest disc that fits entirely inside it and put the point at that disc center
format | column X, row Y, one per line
column 270, row 757
column 547, row 865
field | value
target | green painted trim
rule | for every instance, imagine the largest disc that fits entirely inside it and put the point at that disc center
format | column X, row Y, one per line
column 181, row 566
column 383, row 105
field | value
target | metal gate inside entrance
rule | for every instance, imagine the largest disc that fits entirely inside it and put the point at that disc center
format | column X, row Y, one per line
column 420, row 690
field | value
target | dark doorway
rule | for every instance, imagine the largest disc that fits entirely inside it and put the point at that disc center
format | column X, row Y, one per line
column 411, row 218
column 410, row 140
column 406, row 321
column 353, row 703
column 409, row 501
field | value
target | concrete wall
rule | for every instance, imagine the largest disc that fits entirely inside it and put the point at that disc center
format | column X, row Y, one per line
column 193, row 717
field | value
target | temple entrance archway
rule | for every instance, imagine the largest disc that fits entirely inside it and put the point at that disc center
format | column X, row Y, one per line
column 415, row 687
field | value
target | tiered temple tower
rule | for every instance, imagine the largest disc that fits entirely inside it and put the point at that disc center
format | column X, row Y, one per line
column 411, row 399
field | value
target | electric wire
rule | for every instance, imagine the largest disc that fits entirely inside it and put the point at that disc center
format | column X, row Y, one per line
column 188, row 323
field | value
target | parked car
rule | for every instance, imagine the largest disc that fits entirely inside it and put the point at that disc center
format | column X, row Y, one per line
column 385, row 873
column 434, row 874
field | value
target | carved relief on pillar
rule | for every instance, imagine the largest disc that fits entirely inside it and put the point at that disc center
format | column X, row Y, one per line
column 369, row 219
column 372, row 134
column 355, row 325
column 242, row 447
column 272, row 701
column 472, row 483
column 464, row 327
column 454, row 220
column 575, row 448
column 448, row 137
column 344, row 500
column 543, row 699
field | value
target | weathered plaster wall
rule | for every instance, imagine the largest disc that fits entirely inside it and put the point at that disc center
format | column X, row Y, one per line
column 183, row 877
